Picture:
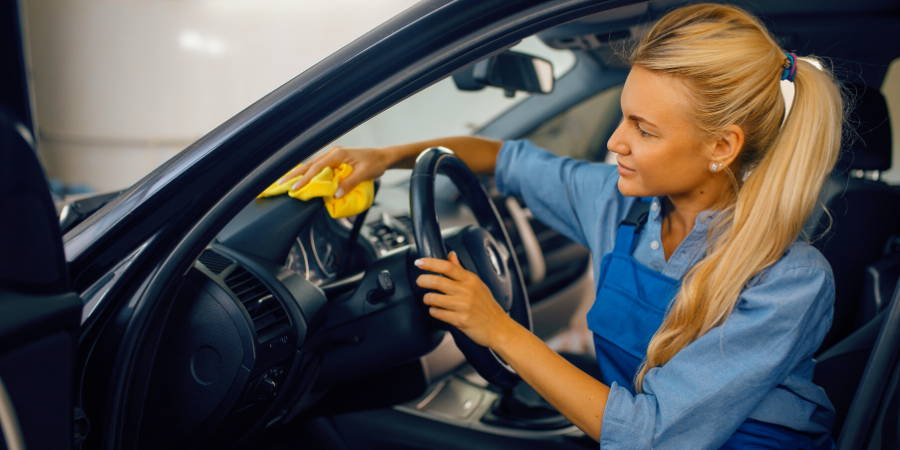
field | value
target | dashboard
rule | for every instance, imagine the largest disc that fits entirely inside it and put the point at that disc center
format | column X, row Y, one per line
column 287, row 300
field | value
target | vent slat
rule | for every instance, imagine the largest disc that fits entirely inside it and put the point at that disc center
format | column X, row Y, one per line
column 250, row 293
column 255, row 305
column 240, row 284
column 272, row 332
column 268, row 315
column 267, row 319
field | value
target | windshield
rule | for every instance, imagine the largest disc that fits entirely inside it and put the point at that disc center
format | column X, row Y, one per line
column 443, row 110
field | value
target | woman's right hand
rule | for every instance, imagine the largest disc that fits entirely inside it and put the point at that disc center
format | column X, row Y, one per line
column 367, row 163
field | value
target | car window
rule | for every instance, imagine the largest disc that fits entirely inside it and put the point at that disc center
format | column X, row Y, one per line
column 120, row 87
column 582, row 131
column 443, row 110
column 891, row 90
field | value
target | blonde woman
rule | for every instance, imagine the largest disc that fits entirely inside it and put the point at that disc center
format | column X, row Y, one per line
column 708, row 307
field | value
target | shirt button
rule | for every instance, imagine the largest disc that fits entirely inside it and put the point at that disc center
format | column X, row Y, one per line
column 654, row 206
column 654, row 245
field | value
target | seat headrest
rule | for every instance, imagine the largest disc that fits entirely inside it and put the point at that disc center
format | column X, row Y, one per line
column 31, row 250
column 869, row 144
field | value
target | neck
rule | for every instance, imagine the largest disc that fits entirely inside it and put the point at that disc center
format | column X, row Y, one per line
column 684, row 208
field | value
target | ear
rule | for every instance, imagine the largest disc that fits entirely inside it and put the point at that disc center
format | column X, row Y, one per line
column 727, row 145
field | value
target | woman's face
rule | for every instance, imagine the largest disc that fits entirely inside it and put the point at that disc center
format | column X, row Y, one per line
column 659, row 149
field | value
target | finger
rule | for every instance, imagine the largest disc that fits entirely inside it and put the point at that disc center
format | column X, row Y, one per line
column 454, row 271
column 348, row 184
column 327, row 160
column 304, row 167
column 295, row 172
column 443, row 315
column 438, row 283
column 454, row 258
column 441, row 301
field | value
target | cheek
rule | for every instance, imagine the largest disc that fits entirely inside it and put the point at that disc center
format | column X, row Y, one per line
column 662, row 170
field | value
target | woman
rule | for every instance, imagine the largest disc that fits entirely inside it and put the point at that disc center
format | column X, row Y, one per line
column 708, row 308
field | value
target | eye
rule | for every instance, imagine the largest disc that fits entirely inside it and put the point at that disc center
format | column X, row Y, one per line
column 641, row 131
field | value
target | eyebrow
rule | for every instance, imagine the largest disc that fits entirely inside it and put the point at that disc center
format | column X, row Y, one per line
column 641, row 119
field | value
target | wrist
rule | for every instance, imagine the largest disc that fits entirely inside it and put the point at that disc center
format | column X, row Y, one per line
column 398, row 156
column 505, row 332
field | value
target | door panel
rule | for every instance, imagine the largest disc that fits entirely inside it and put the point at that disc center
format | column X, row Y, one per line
column 38, row 335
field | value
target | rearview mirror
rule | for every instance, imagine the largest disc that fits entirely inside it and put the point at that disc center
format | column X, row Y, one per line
column 510, row 71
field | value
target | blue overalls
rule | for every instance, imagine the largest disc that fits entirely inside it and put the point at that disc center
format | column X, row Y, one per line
column 631, row 302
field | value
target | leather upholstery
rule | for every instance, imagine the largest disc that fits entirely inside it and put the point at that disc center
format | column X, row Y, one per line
column 31, row 252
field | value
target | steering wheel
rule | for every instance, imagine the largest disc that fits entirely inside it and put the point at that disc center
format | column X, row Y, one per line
column 484, row 249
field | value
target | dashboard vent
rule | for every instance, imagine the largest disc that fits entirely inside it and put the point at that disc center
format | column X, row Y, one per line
column 269, row 317
column 215, row 262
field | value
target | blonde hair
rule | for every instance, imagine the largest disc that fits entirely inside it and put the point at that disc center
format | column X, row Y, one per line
column 732, row 66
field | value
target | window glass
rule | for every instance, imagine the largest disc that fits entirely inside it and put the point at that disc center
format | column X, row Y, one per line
column 443, row 110
column 582, row 131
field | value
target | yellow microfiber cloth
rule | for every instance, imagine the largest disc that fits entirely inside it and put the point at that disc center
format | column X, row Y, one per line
column 324, row 185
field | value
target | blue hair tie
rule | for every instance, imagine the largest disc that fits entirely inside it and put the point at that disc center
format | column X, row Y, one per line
column 790, row 67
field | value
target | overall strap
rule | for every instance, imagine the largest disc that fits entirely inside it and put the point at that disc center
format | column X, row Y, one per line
column 631, row 225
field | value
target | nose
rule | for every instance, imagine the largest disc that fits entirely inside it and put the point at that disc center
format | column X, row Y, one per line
column 616, row 142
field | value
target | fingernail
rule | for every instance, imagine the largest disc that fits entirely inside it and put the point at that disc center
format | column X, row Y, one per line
column 280, row 180
column 339, row 193
column 295, row 186
column 418, row 262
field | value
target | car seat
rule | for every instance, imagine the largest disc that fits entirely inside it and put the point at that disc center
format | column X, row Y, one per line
column 857, row 371
column 30, row 240
column 862, row 210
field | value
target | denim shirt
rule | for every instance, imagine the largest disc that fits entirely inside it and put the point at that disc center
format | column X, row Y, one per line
column 758, row 364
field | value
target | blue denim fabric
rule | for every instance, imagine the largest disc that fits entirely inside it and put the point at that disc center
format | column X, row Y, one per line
column 758, row 364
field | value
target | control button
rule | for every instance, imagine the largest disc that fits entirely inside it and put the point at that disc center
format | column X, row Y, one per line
column 266, row 389
column 384, row 287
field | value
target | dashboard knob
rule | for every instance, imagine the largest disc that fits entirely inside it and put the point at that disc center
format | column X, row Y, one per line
column 266, row 389
column 384, row 287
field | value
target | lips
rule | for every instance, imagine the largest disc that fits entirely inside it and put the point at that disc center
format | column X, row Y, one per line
column 623, row 167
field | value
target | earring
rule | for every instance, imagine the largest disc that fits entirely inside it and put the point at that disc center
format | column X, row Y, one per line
column 714, row 167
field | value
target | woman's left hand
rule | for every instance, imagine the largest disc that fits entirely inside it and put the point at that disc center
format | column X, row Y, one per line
column 464, row 302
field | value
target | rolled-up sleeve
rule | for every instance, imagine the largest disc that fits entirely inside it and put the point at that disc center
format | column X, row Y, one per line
column 566, row 194
column 705, row 392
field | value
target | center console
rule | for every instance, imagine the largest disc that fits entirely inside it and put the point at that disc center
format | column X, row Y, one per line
column 461, row 411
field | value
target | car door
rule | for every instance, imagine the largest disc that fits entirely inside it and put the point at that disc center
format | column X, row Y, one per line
column 39, row 315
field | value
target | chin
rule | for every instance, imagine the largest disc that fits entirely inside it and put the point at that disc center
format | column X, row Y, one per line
column 628, row 188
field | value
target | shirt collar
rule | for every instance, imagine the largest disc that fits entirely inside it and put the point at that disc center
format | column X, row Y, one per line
column 701, row 223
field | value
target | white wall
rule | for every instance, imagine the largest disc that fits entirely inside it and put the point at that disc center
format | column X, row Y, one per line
column 121, row 86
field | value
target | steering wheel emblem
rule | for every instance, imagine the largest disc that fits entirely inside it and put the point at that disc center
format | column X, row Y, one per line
column 494, row 258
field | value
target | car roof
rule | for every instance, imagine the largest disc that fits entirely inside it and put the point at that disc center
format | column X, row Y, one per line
column 858, row 37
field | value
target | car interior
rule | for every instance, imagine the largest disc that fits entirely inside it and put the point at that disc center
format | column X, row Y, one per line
column 367, row 378
column 296, row 330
